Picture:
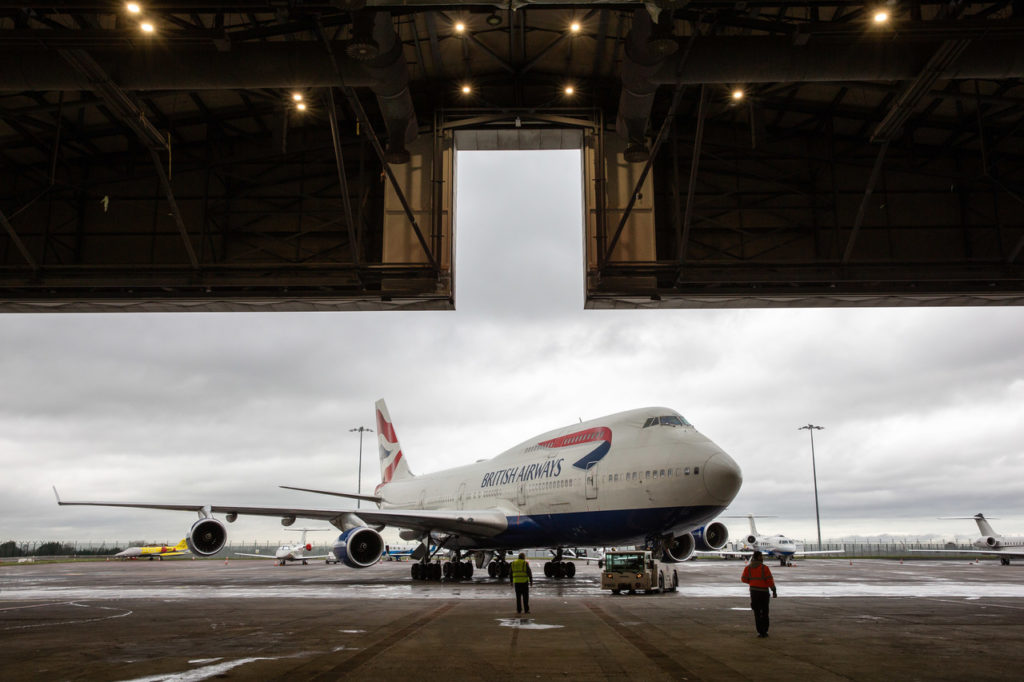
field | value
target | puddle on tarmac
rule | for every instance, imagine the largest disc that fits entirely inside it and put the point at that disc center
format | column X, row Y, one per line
column 525, row 624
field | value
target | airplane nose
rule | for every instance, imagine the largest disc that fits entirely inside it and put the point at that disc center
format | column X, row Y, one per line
column 722, row 477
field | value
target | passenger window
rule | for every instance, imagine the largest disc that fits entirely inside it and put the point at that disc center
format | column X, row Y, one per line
column 686, row 471
column 696, row 470
column 647, row 474
column 662, row 473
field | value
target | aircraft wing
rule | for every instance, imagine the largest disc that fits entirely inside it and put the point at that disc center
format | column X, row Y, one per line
column 724, row 552
column 823, row 551
column 259, row 556
column 483, row 523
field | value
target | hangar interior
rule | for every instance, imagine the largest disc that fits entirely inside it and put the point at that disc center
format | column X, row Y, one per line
column 299, row 154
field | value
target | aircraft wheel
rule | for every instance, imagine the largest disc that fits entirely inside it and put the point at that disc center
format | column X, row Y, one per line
column 435, row 571
column 416, row 570
column 446, row 570
column 661, row 583
column 305, row 563
column 569, row 569
column 492, row 569
column 557, row 570
column 616, row 591
column 467, row 572
column 505, row 568
column 547, row 569
column 1004, row 561
column 675, row 580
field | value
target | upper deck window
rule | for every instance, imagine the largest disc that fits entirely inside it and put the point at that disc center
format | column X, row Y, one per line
column 668, row 420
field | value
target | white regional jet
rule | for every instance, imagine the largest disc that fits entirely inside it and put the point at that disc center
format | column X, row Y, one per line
column 778, row 546
column 990, row 542
column 286, row 553
column 644, row 476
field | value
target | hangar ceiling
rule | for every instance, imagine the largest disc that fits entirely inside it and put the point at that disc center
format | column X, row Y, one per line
column 750, row 153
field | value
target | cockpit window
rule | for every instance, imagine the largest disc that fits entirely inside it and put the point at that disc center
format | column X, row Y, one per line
column 668, row 420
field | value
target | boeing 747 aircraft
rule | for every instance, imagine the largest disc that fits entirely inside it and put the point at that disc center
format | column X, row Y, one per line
column 644, row 476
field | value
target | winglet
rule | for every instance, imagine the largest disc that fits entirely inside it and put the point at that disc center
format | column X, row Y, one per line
column 57, row 495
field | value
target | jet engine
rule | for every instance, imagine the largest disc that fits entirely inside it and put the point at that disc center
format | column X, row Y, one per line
column 712, row 537
column 678, row 549
column 359, row 547
column 751, row 539
column 989, row 541
column 206, row 537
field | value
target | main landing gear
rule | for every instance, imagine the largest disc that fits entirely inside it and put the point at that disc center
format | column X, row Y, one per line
column 499, row 568
column 450, row 571
column 557, row 568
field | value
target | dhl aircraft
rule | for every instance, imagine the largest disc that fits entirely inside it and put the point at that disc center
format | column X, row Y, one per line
column 990, row 543
column 154, row 551
column 645, row 476
column 286, row 553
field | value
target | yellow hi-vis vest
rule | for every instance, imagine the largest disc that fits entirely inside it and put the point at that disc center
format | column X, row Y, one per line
column 519, row 571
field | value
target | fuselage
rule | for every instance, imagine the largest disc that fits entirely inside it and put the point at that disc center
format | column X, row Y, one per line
column 615, row 480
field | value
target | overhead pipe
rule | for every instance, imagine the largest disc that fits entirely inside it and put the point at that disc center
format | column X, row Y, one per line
column 644, row 54
column 390, row 83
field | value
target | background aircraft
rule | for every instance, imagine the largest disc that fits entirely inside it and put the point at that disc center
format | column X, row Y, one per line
column 644, row 476
column 777, row 546
column 990, row 543
column 154, row 551
column 286, row 553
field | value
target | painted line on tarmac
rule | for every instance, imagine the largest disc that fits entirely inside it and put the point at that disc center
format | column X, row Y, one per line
column 74, row 622
column 653, row 653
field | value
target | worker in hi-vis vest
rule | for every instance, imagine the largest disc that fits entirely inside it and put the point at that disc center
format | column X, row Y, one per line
column 757, row 575
column 521, row 578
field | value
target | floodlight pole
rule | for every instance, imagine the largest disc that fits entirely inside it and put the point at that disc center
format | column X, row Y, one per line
column 817, row 517
column 359, row 485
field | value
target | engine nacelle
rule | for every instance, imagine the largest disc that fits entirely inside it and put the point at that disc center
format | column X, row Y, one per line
column 679, row 549
column 206, row 537
column 287, row 520
column 751, row 539
column 989, row 541
column 359, row 547
column 712, row 537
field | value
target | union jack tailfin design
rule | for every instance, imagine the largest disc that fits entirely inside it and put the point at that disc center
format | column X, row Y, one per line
column 393, row 466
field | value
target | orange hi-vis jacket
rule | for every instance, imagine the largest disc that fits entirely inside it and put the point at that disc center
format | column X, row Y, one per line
column 758, row 577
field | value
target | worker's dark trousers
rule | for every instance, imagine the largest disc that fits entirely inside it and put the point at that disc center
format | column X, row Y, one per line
column 759, row 602
column 522, row 597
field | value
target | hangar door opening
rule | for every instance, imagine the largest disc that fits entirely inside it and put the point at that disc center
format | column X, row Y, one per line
column 531, row 211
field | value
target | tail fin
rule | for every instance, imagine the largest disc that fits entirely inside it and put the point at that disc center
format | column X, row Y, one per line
column 984, row 526
column 182, row 546
column 393, row 466
column 753, row 528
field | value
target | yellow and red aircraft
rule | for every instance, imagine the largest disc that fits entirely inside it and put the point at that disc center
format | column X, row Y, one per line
column 154, row 551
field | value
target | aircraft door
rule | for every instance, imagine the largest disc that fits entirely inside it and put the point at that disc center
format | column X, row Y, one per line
column 460, row 501
column 521, row 496
column 591, row 481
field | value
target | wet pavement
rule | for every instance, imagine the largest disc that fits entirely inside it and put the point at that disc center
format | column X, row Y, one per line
column 196, row 620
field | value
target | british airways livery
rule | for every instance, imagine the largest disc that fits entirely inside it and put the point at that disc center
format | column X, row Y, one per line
column 644, row 476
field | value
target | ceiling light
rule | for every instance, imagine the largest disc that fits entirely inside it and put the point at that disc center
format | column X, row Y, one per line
column 493, row 20
column 459, row 27
column 575, row 27
column 881, row 16
column 147, row 27
column 301, row 106
column 297, row 96
column 133, row 7
column 569, row 90
column 737, row 94
column 466, row 89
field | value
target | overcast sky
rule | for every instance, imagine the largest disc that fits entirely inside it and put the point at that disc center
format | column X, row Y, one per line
column 923, row 409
